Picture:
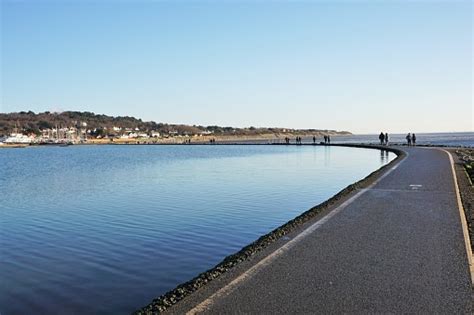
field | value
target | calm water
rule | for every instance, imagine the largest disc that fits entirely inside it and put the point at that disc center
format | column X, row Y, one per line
column 105, row 229
column 456, row 139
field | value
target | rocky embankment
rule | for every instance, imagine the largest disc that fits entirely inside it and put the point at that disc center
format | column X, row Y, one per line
column 465, row 175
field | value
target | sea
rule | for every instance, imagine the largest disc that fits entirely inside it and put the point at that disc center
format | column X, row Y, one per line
column 448, row 139
column 105, row 229
column 454, row 139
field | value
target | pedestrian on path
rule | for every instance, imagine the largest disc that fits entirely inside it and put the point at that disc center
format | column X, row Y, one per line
column 408, row 137
column 386, row 138
column 381, row 138
column 413, row 139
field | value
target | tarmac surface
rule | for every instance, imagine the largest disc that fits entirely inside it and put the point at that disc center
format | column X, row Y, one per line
column 395, row 247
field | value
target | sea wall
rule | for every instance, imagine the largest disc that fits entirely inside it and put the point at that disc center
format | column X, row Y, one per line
column 173, row 296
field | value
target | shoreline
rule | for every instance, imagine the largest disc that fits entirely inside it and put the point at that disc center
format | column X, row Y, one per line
column 185, row 289
column 241, row 142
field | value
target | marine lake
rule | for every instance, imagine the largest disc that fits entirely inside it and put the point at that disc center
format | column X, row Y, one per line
column 105, row 229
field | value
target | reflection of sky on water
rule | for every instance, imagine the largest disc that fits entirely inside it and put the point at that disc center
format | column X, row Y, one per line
column 107, row 228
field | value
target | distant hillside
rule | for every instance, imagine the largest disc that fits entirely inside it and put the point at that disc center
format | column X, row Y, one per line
column 32, row 123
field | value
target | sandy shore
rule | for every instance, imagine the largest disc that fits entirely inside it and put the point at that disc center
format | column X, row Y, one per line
column 261, row 138
column 13, row 145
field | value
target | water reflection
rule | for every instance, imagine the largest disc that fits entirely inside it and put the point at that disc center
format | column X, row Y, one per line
column 384, row 156
column 327, row 156
column 81, row 237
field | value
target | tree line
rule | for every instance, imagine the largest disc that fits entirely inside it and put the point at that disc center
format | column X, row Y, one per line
column 32, row 123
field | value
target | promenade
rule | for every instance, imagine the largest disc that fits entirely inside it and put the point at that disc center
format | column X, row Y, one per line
column 395, row 247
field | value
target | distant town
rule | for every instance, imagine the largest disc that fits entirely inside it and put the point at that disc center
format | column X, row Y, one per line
column 73, row 127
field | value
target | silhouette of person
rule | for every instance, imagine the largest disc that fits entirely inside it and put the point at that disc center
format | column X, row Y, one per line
column 329, row 139
column 314, row 140
column 413, row 139
column 408, row 137
column 381, row 138
column 386, row 138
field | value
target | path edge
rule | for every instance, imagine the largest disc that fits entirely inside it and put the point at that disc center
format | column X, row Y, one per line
column 462, row 216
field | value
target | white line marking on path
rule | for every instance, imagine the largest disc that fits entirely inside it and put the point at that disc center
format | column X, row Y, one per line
column 415, row 187
column 462, row 214
column 226, row 290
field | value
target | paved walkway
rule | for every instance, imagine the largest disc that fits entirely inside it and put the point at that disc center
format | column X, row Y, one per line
column 398, row 248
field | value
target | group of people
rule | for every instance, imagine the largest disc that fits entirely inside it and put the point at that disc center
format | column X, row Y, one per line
column 411, row 139
column 383, row 137
column 327, row 140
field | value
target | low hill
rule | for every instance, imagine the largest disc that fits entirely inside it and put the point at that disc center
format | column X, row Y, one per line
column 32, row 123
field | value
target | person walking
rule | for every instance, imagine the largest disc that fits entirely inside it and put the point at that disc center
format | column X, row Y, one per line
column 386, row 138
column 329, row 139
column 314, row 139
column 381, row 138
column 408, row 137
column 413, row 139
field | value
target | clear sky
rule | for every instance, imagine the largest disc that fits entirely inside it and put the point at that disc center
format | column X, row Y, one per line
column 362, row 66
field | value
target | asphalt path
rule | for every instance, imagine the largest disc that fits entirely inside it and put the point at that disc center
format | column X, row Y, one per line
column 396, row 247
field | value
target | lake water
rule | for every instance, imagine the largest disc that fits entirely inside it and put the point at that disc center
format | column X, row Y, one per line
column 105, row 229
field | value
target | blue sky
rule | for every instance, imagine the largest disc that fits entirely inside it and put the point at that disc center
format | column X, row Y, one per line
column 362, row 66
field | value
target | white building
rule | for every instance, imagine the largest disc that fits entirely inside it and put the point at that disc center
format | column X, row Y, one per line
column 18, row 138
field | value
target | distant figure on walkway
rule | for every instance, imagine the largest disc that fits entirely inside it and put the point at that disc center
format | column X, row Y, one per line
column 329, row 140
column 325, row 139
column 314, row 139
column 381, row 138
column 408, row 137
column 413, row 139
column 386, row 138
